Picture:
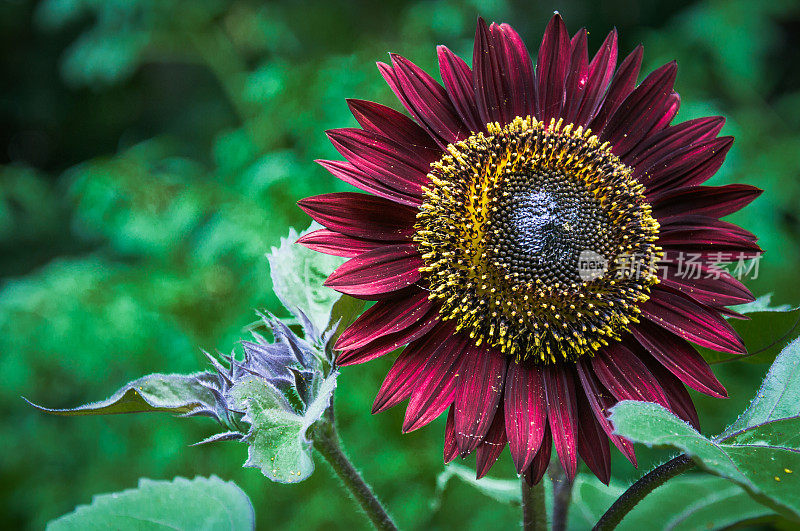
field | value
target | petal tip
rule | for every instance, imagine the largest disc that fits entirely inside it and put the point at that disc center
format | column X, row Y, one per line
column 556, row 19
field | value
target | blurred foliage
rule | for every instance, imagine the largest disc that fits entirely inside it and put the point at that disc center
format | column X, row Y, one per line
column 153, row 151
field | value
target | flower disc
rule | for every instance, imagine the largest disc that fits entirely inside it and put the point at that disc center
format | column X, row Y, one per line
column 538, row 240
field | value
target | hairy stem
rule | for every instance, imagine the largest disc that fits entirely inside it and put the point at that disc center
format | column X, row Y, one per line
column 326, row 441
column 534, row 514
column 636, row 492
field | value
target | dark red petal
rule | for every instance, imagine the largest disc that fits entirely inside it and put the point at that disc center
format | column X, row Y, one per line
column 450, row 448
column 707, row 237
column 377, row 183
column 688, row 167
column 650, row 105
column 691, row 321
column 407, row 368
column 390, row 342
column 436, row 387
column 727, row 312
column 663, row 119
column 457, row 78
column 376, row 154
column 552, row 67
column 541, row 460
column 626, row 376
column 478, row 394
column 707, row 285
column 387, row 316
column 690, row 222
column 402, row 376
column 712, row 201
column 525, row 411
column 600, row 400
column 492, row 86
column 680, row 402
column 562, row 413
column 492, row 445
column 518, row 69
column 710, row 256
column 592, row 442
column 600, row 71
column 679, row 357
column 383, row 270
column 577, row 77
column 621, row 85
column 656, row 121
column 330, row 242
column 674, row 138
column 425, row 99
column 392, row 124
column 361, row 215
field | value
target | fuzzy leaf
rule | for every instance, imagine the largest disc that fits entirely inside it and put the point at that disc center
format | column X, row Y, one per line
column 779, row 395
column 277, row 440
column 298, row 274
column 220, row 437
column 180, row 504
column 175, row 393
column 768, row 470
column 762, row 304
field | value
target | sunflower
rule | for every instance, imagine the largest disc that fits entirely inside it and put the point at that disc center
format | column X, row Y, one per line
column 525, row 236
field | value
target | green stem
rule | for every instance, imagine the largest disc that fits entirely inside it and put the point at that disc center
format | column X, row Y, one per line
column 534, row 514
column 326, row 441
column 636, row 492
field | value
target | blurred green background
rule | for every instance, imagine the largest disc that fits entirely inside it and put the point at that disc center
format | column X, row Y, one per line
column 151, row 152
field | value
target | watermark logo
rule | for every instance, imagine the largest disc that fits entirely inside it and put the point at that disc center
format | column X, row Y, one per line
column 591, row 265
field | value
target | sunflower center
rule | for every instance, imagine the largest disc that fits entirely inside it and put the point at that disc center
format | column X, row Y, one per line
column 537, row 240
column 543, row 223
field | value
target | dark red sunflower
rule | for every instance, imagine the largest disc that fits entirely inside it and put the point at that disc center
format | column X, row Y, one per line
column 524, row 236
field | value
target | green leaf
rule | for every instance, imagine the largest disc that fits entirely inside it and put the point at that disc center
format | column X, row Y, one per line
column 180, row 504
column 762, row 304
column 779, row 395
column 770, row 472
column 277, row 440
column 322, row 400
column 769, row 329
column 297, row 279
column 175, row 393
column 775, row 433
column 687, row 502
